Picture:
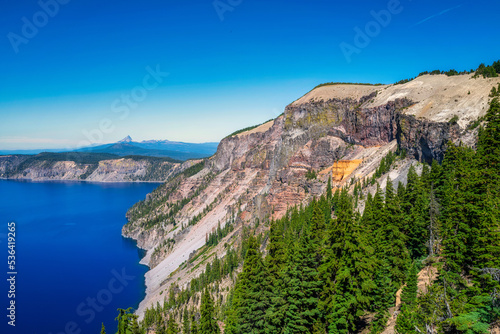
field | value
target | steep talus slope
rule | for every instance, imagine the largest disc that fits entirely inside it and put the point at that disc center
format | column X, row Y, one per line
column 260, row 173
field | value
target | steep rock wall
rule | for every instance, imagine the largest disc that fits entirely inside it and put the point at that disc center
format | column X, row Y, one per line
column 260, row 173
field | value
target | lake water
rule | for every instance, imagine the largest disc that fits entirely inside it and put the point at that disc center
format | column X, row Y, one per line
column 74, row 269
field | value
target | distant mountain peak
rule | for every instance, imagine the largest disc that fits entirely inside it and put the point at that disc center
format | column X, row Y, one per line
column 127, row 139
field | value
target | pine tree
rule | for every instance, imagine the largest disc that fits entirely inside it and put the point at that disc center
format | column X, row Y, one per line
column 384, row 293
column 208, row 324
column 275, row 262
column 160, row 324
column 347, row 271
column 194, row 325
column 433, row 223
column 252, row 297
column 489, row 144
column 318, row 229
column 409, row 295
column 103, row 329
column 459, row 208
column 172, row 327
column 415, row 209
column 406, row 321
column 487, row 246
column 392, row 243
column 186, row 328
column 302, row 287
column 134, row 325
column 123, row 320
column 329, row 189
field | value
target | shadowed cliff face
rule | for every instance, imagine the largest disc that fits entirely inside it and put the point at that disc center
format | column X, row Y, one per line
column 425, row 140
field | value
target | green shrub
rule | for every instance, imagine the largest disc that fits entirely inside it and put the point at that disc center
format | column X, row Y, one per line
column 453, row 120
column 311, row 175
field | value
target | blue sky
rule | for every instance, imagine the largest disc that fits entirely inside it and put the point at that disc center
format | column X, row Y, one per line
column 66, row 81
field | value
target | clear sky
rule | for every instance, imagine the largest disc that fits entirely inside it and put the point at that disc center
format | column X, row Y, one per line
column 79, row 71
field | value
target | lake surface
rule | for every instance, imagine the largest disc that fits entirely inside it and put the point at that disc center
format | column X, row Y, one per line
column 74, row 269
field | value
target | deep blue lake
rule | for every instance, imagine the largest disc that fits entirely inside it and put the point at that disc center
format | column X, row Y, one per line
column 74, row 269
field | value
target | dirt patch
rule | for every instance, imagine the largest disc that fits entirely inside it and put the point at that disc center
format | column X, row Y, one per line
column 338, row 91
column 393, row 312
column 425, row 278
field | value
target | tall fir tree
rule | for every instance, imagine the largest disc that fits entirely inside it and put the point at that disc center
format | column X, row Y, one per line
column 194, row 324
column 208, row 323
column 251, row 298
column 302, row 287
column 172, row 327
column 186, row 325
column 347, row 271
column 409, row 294
column 392, row 241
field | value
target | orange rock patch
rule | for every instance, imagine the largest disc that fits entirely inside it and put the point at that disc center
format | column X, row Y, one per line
column 341, row 169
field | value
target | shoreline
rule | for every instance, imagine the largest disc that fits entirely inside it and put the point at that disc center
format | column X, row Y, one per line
column 145, row 262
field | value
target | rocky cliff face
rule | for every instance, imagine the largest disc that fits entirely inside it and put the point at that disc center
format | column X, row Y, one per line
column 260, row 173
column 117, row 170
column 426, row 140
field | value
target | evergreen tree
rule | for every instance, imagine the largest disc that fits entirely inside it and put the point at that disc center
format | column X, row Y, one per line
column 134, row 325
column 194, row 325
column 329, row 189
column 489, row 144
column 302, row 287
column 252, row 297
column 433, row 223
column 459, row 209
column 415, row 207
column 318, row 229
column 172, row 327
column 103, row 329
column 384, row 293
column 160, row 324
column 392, row 241
column 275, row 262
column 186, row 328
column 348, row 271
column 487, row 246
column 208, row 324
column 123, row 320
column 409, row 295
column 406, row 321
